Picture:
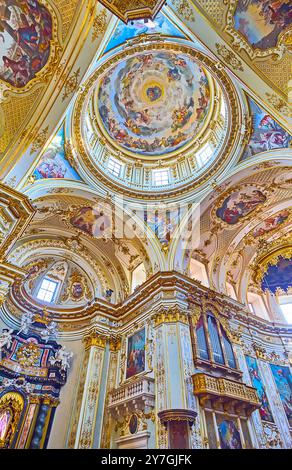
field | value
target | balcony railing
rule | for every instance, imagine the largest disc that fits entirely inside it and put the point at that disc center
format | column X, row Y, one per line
column 138, row 389
column 225, row 391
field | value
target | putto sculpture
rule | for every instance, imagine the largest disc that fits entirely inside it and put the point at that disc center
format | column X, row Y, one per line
column 62, row 357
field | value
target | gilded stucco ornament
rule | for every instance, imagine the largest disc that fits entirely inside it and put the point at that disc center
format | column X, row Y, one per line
column 268, row 255
column 279, row 104
column 77, row 288
column 28, row 354
column 229, row 57
column 99, row 25
column 170, row 315
column 16, row 211
column 94, row 339
column 184, row 9
column 71, row 84
column 133, row 9
column 39, row 139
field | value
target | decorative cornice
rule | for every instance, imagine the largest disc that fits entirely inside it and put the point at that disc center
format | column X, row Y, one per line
column 141, row 303
column 181, row 415
column 170, row 315
column 94, row 339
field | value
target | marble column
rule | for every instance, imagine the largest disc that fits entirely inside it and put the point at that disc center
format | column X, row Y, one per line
column 41, row 427
column 173, row 377
column 83, row 427
column 107, row 424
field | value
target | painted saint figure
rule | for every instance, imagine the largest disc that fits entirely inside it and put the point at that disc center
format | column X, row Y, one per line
column 26, row 32
column 5, row 418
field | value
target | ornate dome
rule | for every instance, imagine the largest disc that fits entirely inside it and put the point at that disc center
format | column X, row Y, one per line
column 155, row 117
column 154, row 103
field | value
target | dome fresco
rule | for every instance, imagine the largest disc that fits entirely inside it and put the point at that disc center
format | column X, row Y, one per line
column 163, row 102
column 154, row 103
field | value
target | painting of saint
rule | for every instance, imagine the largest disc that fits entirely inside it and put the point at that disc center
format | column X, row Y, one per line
column 136, row 354
column 92, row 221
column 283, row 380
column 53, row 163
column 163, row 223
column 154, row 93
column 229, row 435
column 262, row 21
column 267, row 134
column 25, row 35
column 239, row 204
column 278, row 276
column 265, row 411
column 270, row 223
column 5, row 418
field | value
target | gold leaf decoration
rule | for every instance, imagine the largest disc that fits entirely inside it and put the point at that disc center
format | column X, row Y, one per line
column 229, row 57
column 71, row 84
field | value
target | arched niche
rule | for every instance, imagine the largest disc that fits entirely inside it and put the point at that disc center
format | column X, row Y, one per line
column 11, row 410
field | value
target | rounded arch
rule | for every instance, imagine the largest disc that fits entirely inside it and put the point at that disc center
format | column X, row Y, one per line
column 11, row 411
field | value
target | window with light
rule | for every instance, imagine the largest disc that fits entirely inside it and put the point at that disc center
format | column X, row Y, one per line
column 204, row 155
column 160, row 177
column 285, row 302
column 47, row 290
column 114, row 167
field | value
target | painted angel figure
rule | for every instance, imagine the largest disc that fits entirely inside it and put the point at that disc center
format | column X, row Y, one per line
column 26, row 320
column 5, row 340
column 63, row 357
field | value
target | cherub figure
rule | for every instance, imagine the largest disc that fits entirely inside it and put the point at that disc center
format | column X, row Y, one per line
column 63, row 357
column 26, row 320
column 5, row 340
column 50, row 331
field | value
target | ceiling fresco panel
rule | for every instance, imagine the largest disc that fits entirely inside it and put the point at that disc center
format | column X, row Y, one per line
column 53, row 163
column 26, row 31
column 259, row 32
column 266, row 133
column 31, row 44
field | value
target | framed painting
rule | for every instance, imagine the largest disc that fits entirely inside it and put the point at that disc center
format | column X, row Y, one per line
column 266, row 134
column 239, row 204
column 228, row 433
column 261, row 22
column 25, row 37
column 265, row 411
column 136, row 353
column 283, row 380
